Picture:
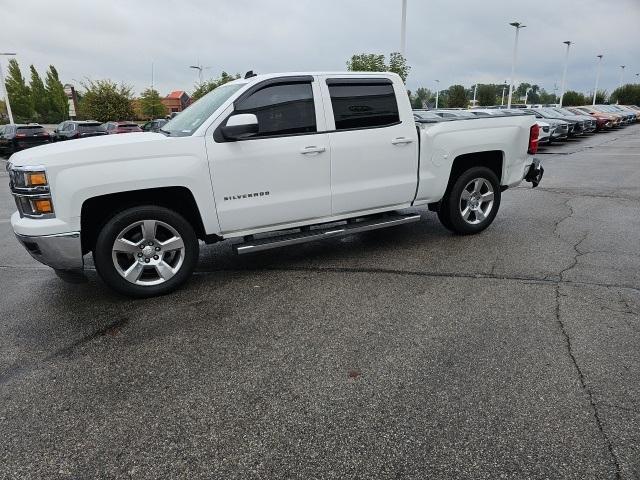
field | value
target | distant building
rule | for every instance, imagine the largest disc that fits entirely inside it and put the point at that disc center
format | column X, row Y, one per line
column 176, row 101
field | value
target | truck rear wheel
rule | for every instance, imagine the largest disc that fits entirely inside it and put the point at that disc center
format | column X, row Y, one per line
column 472, row 202
column 146, row 251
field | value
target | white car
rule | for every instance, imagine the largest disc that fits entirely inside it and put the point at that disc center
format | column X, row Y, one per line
column 306, row 155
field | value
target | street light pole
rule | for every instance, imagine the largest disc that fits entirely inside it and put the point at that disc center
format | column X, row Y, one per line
column 504, row 87
column 518, row 26
column 621, row 74
column 475, row 91
column 595, row 90
column 4, row 86
column 437, row 91
column 564, row 73
column 403, row 30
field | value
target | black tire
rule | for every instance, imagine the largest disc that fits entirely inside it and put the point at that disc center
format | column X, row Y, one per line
column 450, row 213
column 103, row 255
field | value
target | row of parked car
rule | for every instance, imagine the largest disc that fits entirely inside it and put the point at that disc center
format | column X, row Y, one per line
column 556, row 123
column 16, row 137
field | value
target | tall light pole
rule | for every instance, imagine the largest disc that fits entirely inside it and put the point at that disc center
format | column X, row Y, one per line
column 504, row 87
column 475, row 91
column 518, row 26
column 526, row 95
column 403, row 30
column 564, row 73
column 4, row 86
column 595, row 90
column 437, row 91
column 621, row 74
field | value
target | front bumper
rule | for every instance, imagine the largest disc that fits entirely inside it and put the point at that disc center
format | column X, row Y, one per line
column 61, row 251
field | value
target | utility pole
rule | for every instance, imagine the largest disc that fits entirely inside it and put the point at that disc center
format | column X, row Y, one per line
column 595, row 90
column 517, row 26
column 403, row 30
column 564, row 73
column 4, row 86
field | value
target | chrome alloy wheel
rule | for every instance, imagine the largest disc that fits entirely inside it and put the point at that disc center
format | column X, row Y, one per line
column 148, row 252
column 476, row 201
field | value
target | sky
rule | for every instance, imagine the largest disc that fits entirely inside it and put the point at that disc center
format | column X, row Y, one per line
column 455, row 41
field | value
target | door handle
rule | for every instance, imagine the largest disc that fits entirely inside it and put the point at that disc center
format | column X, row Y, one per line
column 312, row 149
column 401, row 141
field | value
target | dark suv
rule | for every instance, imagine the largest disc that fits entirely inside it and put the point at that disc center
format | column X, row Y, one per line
column 77, row 129
column 18, row 137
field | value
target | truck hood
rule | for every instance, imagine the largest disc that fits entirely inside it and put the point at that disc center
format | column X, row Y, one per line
column 86, row 150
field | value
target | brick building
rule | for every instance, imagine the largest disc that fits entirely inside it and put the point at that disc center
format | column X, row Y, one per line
column 176, row 101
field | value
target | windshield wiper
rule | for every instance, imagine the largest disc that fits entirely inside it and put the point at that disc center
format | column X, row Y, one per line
column 166, row 132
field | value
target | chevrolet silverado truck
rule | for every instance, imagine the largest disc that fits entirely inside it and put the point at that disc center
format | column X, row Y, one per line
column 269, row 160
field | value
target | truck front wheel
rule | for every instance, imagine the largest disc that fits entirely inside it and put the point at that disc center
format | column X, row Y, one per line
column 146, row 251
column 471, row 202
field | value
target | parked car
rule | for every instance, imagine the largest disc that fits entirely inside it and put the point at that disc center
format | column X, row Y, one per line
column 546, row 129
column 154, row 125
column 120, row 127
column 627, row 117
column 617, row 120
column 16, row 137
column 604, row 121
column 576, row 127
column 257, row 157
column 426, row 116
column 626, row 110
column 72, row 129
column 590, row 124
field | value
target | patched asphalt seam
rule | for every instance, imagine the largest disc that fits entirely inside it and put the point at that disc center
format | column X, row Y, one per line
column 585, row 387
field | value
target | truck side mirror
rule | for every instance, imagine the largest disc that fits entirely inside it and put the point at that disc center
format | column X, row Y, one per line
column 240, row 126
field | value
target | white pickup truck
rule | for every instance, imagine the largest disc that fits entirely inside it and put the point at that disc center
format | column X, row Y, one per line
column 306, row 155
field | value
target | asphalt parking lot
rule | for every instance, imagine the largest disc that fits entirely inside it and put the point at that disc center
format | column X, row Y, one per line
column 401, row 353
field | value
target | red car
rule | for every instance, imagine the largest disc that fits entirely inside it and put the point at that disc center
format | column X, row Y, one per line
column 120, row 127
column 603, row 120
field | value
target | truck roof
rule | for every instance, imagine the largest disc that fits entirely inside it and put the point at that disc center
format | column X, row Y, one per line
column 266, row 76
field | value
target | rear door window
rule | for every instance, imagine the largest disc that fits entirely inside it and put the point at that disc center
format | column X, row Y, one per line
column 367, row 104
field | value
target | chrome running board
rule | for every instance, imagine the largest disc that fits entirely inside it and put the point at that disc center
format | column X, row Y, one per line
column 365, row 225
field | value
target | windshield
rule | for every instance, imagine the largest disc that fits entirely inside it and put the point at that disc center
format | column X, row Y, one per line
column 568, row 113
column 195, row 115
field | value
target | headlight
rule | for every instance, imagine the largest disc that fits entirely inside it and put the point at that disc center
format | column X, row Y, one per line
column 30, row 188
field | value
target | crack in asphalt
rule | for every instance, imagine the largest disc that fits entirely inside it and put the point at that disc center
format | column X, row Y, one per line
column 585, row 387
column 112, row 329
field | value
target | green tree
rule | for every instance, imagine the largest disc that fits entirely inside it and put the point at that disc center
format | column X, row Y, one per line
column 486, row 95
column 628, row 94
column 105, row 100
column 58, row 110
column 601, row 96
column 19, row 94
column 3, row 113
column 39, row 97
column 367, row 62
column 151, row 104
column 546, row 97
column 457, row 97
column 421, row 98
column 398, row 64
column 572, row 98
column 205, row 87
column 373, row 62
